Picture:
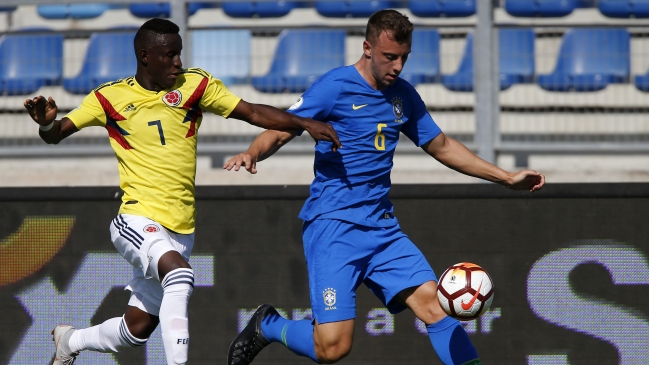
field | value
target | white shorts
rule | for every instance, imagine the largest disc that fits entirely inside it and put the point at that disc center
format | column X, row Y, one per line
column 133, row 236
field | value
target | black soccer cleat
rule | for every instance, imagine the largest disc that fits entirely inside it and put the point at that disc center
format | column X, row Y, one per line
column 250, row 341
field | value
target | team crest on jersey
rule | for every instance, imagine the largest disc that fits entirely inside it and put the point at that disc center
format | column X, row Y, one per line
column 151, row 228
column 329, row 296
column 172, row 98
column 297, row 104
column 397, row 108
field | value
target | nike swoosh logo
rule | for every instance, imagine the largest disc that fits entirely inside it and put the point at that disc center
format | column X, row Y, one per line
column 358, row 107
column 468, row 305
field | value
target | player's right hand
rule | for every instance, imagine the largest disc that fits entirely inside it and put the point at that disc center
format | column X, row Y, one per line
column 41, row 110
column 244, row 159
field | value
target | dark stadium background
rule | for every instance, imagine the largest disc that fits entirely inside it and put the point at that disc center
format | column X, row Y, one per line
column 254, row 236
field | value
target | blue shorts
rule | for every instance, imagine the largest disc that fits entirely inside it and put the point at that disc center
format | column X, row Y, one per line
column 341, row 255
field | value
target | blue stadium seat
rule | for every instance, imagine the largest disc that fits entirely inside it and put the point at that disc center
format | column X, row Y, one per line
column 163, row 10
column 223, row 53
column 544, row 8
column 261, row 9
column 301, row 57
column 442, row 8
column 642, row 82
column 351, row 9
column 624, row 8
column 423, row 63
column 150, row 10
column 589, row 60
column 516, row 61
column 73, row 11
column 7, row 8
column 110, row 56
column 29, row 61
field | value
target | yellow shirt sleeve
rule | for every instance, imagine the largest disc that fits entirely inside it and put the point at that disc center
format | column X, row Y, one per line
column 89, row 113
column 218, row 99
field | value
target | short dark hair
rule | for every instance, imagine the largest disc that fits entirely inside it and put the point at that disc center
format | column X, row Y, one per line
column 145, row 36
column 396, row 24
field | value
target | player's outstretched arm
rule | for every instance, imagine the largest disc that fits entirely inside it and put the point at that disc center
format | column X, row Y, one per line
column 264, row 146
column 456, row 156
column 43, row 112
column 269, row 117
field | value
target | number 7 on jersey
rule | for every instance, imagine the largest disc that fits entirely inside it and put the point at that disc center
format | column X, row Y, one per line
column 159, row 124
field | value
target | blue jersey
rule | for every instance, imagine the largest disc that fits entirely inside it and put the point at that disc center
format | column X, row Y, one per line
column 352, row 184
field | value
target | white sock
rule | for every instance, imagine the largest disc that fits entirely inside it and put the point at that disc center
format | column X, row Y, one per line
column 110, row 336
column 178, row 286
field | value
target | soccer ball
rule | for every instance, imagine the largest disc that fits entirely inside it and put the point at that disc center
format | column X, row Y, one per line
column 465, row 291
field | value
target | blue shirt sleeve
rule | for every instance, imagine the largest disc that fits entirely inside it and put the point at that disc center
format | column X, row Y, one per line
column 420, row 127
column 318, row 100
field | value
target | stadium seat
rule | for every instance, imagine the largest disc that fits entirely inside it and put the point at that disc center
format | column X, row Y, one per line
column 423, row 62
column 163, row 10
column 543, row 8
column 260, row 9
column 7, row 8
column 150, row 10
column 351, row 9
column 73, row 11
column 223, row 53
column 110, row 56
column 442, row 8
column 516, row 61
column 642, row 82
column 29, row 61
column 624, row 8
column 301, row 57
column 589, row 60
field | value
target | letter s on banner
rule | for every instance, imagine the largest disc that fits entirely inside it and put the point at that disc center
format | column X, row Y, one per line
column 614, row 324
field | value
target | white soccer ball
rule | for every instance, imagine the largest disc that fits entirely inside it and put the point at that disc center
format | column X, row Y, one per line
column 465, row 291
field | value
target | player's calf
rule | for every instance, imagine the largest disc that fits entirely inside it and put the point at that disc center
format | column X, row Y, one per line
column 177, row 286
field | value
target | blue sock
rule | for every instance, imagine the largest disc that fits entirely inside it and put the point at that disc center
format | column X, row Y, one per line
column 297, row 336
column 451, row 343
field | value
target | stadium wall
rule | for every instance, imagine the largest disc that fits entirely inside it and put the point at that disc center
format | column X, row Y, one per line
column 570, row 266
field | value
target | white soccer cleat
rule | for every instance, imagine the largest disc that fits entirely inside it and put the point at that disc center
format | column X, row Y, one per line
column 61, row 337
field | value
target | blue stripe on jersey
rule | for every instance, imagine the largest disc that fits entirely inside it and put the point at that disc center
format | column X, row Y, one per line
column 352, row 184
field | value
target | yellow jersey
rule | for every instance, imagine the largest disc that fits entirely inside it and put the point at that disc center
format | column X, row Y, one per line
column 154, row 136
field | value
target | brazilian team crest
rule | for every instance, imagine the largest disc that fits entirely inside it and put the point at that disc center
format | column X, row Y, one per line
column 172, row 98
column 329, row 296
column 397, row 108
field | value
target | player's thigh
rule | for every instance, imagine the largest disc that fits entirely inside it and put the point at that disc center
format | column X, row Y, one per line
column 398, row 265
column 142, row 242
column 336, row 267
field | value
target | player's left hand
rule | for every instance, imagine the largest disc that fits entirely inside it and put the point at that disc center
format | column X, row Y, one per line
column 244, row 159
column 321, row 131
column 527, row 180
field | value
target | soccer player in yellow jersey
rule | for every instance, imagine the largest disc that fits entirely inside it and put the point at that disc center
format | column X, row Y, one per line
column 152, row 120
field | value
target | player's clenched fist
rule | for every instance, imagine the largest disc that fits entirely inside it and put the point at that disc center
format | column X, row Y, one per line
column 42, row 111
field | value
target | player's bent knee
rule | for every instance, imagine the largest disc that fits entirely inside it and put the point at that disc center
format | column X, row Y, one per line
column 333, row 354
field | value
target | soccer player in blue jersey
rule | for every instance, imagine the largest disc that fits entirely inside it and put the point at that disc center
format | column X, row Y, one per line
column 350, row 234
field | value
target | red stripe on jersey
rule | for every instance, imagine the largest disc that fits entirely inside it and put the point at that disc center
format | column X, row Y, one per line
column 197, row 95
column 117, row 136
column 112, row 116
column 194, row 112
column 108, row 107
